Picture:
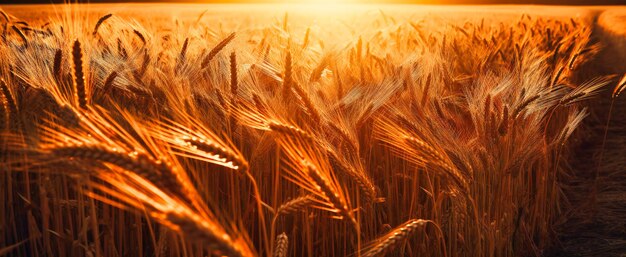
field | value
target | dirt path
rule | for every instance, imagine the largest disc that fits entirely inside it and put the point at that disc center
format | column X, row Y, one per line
column 595, row 190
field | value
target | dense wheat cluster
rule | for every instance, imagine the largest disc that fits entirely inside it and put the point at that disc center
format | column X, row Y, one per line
column 417, row 137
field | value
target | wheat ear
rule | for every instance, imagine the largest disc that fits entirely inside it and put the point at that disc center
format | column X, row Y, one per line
column 9, row 100
column 216, row 50
column 5, row 16
column 233, row 74
column 155, row 171
column 523, row 105
column 290, row 130
column 140, row 164
column 4, row 122
column 197, row 228
column 8, row 103
column 140, row 36
column 317, row 72
column 305, row 42
column 294, row 205
column 100, row 21
column 362, row 181
column 328, row 192
column 287, row 76
column 504, row 123
column 394, row 238
column 109, row 82
column 308, row 104
column 80, row 93
column 21, row 34
column 218, row 152
column 282, row 244
column 352, row 143
column 183, row 50
column 201, row 226
column 56, row 66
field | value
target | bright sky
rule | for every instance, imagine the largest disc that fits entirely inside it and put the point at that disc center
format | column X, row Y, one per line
column 325, row 2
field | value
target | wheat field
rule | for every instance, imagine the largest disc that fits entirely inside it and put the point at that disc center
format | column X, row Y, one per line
column 257, row 130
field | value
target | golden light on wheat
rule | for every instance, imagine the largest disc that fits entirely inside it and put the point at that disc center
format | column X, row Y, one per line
column 405, row 136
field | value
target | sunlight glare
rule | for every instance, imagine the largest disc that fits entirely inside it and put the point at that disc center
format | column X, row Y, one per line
column 325, row 3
